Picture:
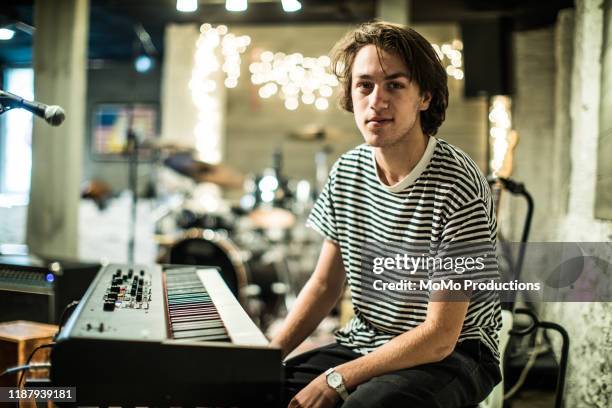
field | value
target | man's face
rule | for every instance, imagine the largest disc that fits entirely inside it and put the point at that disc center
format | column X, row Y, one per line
column 386, row 103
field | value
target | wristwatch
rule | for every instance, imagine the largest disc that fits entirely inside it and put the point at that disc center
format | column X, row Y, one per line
column 336, row 382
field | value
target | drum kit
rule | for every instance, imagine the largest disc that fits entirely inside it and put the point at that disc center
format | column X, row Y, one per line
column 262, row 247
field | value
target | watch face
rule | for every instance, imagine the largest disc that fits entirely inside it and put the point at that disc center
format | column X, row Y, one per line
column 334, row 380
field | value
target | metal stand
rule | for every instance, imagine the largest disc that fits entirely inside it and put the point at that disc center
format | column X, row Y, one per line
column 517, row 188
column 516, row 266
column 536, row 324
column 131, row 150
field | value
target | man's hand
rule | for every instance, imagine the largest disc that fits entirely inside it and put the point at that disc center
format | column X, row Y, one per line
column 317, row 394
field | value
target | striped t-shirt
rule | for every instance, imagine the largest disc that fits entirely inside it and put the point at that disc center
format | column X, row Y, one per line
column 445, row 198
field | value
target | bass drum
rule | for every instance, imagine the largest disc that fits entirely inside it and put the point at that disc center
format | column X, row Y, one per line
column 210, row 248
column 269, row 274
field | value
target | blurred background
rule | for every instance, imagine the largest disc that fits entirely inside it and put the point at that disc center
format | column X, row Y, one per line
column 201, row 131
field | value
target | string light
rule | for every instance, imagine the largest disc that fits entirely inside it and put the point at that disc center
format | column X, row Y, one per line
column 217, row 59
column 294, row 78
column 290, row 6
column 236, row 5
column 451, row 55
column 500, row 124
column 186, row 6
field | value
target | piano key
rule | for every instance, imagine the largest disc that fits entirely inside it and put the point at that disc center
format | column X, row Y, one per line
column 198, row 333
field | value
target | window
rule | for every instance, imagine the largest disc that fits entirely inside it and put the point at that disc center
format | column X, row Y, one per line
column 16, row 135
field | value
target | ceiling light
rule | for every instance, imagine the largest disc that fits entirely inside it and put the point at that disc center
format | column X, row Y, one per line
column 186, row 6
column 6, row 34
column 236, row 5
column 143, row 63
column 291, row 5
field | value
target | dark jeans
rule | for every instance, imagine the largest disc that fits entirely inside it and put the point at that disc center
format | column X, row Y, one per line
column 464, row 378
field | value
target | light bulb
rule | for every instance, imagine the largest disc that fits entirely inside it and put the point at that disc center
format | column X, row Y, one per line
column 236, row 5
column 187, row 6
column 290, row 6
column 6, row 34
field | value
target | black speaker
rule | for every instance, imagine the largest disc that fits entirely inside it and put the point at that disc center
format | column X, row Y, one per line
column 38, row 289
column 487, row 56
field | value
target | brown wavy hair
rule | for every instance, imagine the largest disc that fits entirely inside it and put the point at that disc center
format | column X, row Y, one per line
column 424, row 65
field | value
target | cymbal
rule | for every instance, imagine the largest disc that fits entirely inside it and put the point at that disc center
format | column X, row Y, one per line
column 202, row 172
column 222, row 175
column 318, row 133
column 275, row 218
column 167, row 146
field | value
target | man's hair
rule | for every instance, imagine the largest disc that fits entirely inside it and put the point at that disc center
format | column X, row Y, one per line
column 423, row 63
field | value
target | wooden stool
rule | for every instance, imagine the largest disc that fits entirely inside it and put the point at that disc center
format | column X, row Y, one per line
column 17, row 340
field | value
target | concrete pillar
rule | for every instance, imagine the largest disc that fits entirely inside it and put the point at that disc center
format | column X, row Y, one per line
column 561, row 167
column 584, row 108
column 60, row 62
column 179, row 113
column 603, row 199
column 394, row 11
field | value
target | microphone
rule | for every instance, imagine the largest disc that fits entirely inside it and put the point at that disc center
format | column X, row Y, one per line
column 53, row 115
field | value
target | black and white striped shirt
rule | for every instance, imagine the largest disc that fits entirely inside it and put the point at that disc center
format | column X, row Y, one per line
column 445, row 198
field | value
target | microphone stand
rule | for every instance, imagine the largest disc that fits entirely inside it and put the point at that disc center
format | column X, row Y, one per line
column 131, row 150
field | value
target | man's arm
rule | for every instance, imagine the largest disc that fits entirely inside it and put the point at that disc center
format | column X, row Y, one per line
column 429, row 342
column 315, row 301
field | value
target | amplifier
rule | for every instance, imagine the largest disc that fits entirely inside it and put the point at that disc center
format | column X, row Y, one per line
column 38, row 289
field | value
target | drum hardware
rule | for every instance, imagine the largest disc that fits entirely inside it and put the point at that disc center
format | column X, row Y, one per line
column 269, row 189
column 303, row 197
column 326, row 135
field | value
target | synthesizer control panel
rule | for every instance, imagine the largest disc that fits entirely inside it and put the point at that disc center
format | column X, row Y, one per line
column 125, row 303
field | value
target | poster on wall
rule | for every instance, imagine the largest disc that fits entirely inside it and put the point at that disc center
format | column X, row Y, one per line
column 111, row 123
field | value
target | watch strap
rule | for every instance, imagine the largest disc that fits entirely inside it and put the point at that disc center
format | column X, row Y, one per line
column 340, row 389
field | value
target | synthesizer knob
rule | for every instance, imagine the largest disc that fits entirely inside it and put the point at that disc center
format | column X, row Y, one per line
column 101, row 327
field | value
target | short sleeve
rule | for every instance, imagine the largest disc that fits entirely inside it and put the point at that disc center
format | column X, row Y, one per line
column 468, row 239
column 322, row 217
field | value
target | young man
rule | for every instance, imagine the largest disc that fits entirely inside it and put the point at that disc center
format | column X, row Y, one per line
column 402, row 186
